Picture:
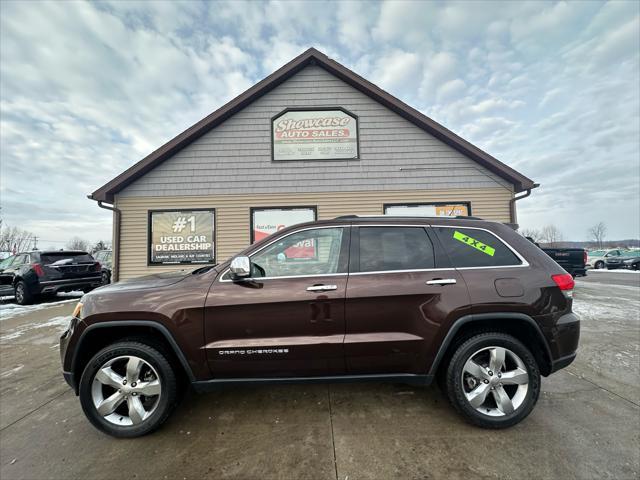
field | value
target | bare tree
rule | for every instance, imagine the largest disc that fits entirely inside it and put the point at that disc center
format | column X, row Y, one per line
column 597, row 234
column 13, row 239
column 533, row 233
column 100, row 245
column 77, row 243
column 551, row 235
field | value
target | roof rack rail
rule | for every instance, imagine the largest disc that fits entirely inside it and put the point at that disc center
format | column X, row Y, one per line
column 457, row 217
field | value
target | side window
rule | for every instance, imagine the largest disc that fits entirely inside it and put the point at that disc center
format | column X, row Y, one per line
column 395, row 248
column 20, row 260
column 309, row 252
column 475, row 248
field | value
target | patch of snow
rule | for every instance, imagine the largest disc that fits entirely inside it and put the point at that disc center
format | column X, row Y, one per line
column 617, row 270
column 9, row 310
column 8, row 373
column 61, row 323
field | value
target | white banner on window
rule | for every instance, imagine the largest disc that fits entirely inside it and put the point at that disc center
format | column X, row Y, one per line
column 268, row 221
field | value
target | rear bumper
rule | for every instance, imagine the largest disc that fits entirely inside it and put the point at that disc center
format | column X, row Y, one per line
column 565, row 336
column 563, row 362
column 54, row 286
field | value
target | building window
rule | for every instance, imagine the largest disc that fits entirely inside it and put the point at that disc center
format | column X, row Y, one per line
column 181, row 236
column 439, row 209
column 268, row 220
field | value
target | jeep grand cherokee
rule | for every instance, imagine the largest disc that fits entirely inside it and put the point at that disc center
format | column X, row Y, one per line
column 467, row 302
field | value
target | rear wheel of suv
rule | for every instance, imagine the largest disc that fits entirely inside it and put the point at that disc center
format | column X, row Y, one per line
column 128, row 389
column 493, row 380
column 22, row 294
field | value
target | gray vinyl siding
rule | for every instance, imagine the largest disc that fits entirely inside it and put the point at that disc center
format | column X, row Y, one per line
column 236, row 156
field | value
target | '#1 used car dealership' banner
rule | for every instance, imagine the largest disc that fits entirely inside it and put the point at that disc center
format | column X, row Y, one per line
column 185, row 236
column 315, row 135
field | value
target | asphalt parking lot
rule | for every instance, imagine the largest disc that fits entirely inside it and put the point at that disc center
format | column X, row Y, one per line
column 586, row 424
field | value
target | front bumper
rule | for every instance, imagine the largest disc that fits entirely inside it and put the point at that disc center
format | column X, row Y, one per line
column 65, row 338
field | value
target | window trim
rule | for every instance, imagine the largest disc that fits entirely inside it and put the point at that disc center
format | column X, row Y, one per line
column 435, row 204
column 523, row 261
column 317, row 227
column 252, row 210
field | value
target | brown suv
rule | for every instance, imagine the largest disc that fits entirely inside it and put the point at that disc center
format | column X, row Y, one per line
column 465, row 301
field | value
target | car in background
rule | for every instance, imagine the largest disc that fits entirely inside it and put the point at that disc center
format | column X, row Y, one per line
column 31, row 274
column 105, row 259
column 598, row 258
column 626, row 260
column 573, row 260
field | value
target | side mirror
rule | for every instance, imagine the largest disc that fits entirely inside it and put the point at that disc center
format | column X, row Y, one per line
column 240, row 267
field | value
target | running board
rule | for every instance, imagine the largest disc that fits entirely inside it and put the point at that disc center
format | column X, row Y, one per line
column 217, row 383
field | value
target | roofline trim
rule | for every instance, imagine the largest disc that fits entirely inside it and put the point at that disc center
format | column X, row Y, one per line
column 309, row 57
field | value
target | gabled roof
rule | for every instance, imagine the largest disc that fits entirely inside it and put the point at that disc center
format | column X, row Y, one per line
column 310, row 57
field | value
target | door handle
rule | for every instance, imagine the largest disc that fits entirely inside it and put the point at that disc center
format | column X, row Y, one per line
column 442, row 281
column 322, row 288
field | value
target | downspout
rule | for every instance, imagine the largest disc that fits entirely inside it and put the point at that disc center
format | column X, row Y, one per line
column 115, row 270
column 512, row 205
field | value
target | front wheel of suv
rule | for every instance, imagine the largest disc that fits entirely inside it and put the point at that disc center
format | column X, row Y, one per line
column 22, row 293
column 493, row 380
column 128, row 389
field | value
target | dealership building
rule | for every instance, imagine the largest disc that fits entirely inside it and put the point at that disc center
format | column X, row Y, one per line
column 313, row 140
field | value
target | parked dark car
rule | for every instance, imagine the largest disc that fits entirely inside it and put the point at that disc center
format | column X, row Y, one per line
column 573, row 260
column 104, row 257
column 468, row 302
column 624, row 261
column 30, row 274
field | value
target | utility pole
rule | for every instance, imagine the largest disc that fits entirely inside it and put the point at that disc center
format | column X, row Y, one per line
column 35, row 243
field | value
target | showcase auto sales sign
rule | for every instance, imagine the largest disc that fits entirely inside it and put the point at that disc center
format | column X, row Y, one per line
column 314, row 135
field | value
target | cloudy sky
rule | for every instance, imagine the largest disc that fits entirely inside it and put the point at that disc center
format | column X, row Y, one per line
column 552, row 89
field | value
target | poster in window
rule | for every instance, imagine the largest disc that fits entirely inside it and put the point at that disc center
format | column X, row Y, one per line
column 266, row 221
column 184, row 236
column 315, row 135
column 428, row 210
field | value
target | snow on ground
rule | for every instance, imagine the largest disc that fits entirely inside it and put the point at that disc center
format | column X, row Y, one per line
column 617, row 270
column 61, row 323
column 9, row 309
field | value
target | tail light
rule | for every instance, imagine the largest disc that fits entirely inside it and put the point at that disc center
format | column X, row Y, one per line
column 585, row 257
column 565, row 282
column 97, row 267
column 38, row 269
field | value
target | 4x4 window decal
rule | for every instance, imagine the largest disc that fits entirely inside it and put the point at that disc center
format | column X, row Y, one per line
column 472, row 242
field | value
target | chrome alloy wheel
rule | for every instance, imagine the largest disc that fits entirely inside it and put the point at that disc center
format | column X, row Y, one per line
column 495, row 381
column 126, row 390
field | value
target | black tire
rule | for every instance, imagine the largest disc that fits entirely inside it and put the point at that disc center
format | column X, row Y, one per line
column 599, row 265
column 22, row 293
column 166, row 376
column 455, row 389
column 105, row 278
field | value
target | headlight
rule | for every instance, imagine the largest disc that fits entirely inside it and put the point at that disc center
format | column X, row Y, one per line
column 77, row 312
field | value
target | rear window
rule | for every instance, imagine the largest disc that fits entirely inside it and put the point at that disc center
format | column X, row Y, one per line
column 73, row 257
column 394, row 248
column 475, row 248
